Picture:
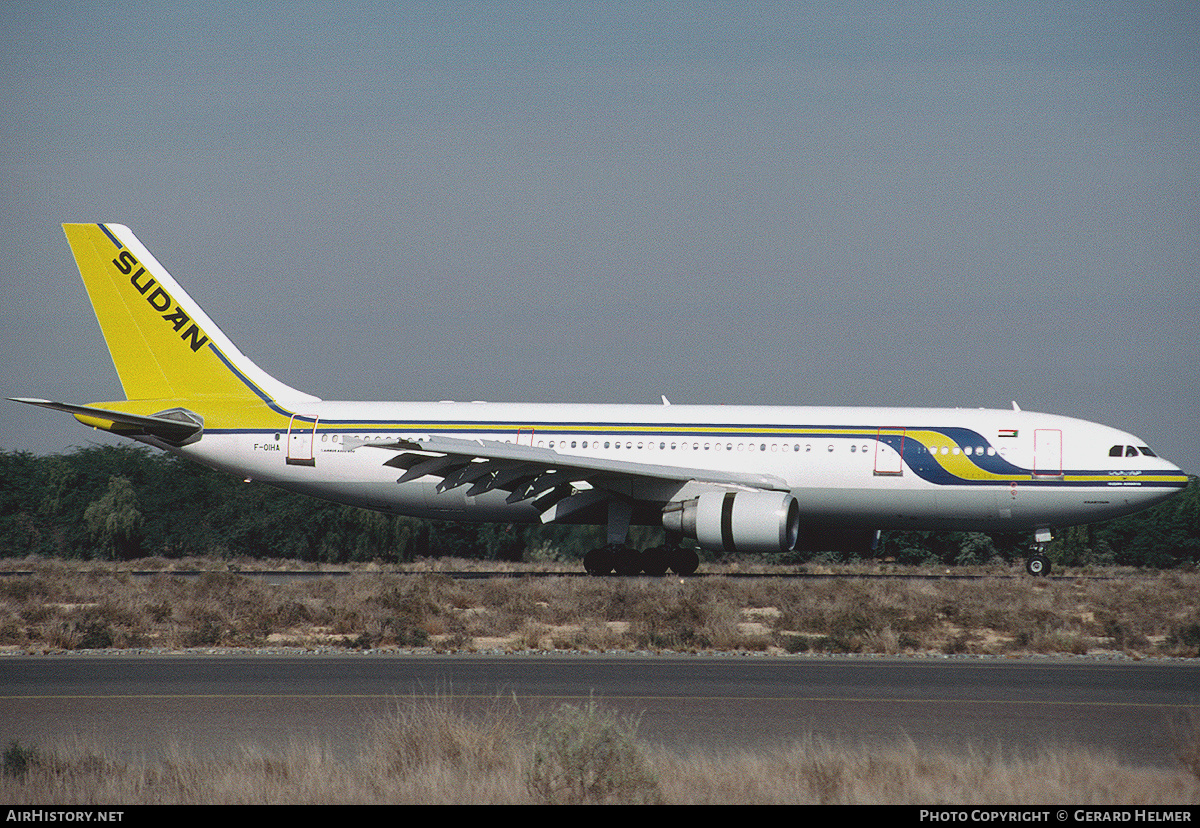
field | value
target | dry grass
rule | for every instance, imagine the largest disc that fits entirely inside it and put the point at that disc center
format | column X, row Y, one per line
column 63, row 607
column 815, row 772
column 428, row 753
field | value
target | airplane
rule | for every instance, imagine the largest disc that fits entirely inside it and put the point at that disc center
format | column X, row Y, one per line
column 732, row 478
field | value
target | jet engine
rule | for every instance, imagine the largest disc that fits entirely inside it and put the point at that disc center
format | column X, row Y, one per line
column 737, row 521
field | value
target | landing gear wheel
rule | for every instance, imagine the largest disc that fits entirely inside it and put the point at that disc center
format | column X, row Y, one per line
column 684, row 561
column 598, row 561
column 656, row 560
column 627, row 561
column 1037, row 565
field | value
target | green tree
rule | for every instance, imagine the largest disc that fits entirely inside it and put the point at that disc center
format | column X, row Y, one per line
column 115, row 521
column 84, row 502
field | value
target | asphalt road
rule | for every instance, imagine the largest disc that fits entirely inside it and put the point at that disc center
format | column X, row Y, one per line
column 209, row 704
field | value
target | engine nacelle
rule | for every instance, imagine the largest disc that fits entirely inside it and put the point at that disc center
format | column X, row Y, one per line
column 737, row 521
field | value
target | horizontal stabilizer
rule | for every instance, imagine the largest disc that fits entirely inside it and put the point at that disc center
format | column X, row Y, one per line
column 176, row 425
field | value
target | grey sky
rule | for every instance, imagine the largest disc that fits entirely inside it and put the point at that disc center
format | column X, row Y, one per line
column 925, row 204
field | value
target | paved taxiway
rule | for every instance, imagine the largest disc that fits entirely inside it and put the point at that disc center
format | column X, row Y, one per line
column 210, row 703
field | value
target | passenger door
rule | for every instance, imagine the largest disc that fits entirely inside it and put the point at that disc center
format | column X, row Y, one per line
column 1047, row 452
column 889, row 460
column 300, row 442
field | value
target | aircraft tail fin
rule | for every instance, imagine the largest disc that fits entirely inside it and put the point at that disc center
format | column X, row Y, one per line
column 162, row 344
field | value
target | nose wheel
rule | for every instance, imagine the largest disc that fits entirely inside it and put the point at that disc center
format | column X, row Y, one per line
column 1037, row 565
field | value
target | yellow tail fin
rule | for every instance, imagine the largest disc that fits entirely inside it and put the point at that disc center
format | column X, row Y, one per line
column 163, row 345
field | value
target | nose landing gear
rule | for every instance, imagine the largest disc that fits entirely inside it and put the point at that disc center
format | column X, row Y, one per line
column 1037, row 564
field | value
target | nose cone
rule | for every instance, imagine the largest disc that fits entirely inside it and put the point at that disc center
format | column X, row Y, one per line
column 1171, row 470
column 1163, row 482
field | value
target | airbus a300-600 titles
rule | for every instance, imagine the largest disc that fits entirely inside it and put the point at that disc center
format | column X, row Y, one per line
column 732, row 478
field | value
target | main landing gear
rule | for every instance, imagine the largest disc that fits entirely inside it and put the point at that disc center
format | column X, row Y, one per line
column 619, row 558
column 656, row 560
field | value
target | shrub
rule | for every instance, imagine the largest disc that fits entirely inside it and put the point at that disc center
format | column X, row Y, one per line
column 18, row 759
column 587, row 755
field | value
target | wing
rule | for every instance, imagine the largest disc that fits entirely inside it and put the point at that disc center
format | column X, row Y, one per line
column 557, row 484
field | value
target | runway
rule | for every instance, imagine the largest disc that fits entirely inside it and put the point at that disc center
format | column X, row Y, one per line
column 141, row 705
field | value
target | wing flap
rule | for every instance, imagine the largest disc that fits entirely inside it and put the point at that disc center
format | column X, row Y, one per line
column 557, row 485
column 571, row 463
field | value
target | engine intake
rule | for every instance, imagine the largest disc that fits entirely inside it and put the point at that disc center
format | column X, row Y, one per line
column 737, row 521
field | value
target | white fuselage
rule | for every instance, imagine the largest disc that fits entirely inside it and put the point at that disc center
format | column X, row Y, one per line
column 913, row 468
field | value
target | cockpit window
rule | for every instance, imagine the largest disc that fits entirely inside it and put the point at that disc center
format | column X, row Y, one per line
column 1130, row 451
